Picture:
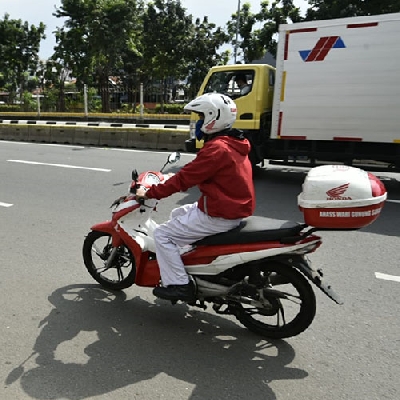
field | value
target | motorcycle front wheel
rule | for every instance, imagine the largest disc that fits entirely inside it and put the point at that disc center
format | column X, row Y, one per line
column 286, row 307
column 120, row 273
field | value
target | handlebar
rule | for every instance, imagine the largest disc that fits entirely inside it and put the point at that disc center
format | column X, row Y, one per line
column 140, row 200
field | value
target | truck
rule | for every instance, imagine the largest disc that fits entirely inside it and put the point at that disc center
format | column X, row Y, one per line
column 333, row 97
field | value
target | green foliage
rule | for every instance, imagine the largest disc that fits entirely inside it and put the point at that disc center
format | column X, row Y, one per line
column 19, row 47
column 165, row 38
column 280, row 12
column 203, row 54
column 94, row 101
column 3, row 82
column 328, row 9
column 28, row 102
column 138, row 42
column 32, row 83
column 49, row 101
column 252, row 43
column 4, row 108
column 95, row 35
column 169, row 108
column 243, row 35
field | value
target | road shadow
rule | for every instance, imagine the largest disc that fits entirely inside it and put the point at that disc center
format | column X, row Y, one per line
column 137, row 340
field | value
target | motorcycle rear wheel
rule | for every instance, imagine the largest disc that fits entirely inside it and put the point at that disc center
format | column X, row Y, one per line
column 96, row 250
column 292, row 304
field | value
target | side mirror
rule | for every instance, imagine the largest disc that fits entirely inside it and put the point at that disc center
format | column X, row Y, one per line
column 174, row 157
column 135, row 175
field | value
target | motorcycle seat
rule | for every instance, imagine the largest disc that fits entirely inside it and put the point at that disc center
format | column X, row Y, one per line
column 254, row 229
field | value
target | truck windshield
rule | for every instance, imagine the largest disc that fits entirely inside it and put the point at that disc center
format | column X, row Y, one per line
column 226, row 82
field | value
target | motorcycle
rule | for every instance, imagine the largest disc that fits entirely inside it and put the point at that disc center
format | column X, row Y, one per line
column 258, row 272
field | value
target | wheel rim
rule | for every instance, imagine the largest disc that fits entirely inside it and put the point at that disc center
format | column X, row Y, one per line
column 271, row 311
column 282, row 310
column 120, row 267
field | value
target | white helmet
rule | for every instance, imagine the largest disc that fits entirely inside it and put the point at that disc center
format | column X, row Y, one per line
column 219, row 111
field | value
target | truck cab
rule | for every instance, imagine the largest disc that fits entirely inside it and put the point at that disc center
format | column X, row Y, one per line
column 254, row 105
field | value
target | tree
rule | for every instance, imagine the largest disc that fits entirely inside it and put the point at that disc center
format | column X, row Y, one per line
column 332, row 9
column 328, row 9
column 375, row 7
column 19, row 48
column 243, row 36
column 95, row 36
column 166, row 40
column 203, row 52
column 254, row 43
column 55, row 72
column 280, row 12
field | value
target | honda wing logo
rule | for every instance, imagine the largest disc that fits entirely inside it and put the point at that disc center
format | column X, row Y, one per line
column 322, row 48
column 337, row 192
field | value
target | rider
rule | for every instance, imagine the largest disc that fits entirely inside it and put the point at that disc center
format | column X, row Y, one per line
column 223, row 173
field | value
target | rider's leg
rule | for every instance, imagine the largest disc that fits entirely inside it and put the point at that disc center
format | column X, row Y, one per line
column 187, row 225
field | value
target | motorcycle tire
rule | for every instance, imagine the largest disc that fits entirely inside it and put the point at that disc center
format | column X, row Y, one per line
column 292, row 297
column 96, row 250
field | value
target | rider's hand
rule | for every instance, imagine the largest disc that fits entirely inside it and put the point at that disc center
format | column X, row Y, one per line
column 141, row 194
column 167, row 176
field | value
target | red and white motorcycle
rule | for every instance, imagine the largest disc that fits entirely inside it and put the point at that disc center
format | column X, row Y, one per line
column 257, row 272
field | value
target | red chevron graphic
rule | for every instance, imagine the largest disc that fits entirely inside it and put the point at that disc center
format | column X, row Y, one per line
column 322, row 48
column 338, row 191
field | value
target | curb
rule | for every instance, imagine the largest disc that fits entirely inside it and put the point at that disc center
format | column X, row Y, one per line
column 89, row 123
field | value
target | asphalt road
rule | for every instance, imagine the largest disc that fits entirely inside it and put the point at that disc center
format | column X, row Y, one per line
column 62, row 337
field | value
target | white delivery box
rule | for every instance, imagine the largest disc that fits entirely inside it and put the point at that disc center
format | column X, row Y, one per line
column 341, row 197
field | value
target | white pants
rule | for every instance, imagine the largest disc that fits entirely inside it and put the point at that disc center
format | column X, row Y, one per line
column 186, row 225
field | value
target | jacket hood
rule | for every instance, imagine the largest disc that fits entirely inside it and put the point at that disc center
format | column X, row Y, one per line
column 241, row 145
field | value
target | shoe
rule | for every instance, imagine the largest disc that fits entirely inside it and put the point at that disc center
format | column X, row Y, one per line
column 176, row 292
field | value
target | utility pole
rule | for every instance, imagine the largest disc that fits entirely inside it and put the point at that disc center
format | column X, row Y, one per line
column 237, row 31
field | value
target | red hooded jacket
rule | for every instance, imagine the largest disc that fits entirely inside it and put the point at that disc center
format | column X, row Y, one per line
column 223, row 173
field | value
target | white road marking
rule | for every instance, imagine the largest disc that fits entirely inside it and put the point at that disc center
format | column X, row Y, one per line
column 5, row 204
column 393, row 201
column 143, row 151
column 387, row 277
column 59, row 145
column 60, row 165
column 43, row 144
column 95, row 148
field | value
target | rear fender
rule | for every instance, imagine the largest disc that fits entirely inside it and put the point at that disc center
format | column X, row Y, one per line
column 315, row 276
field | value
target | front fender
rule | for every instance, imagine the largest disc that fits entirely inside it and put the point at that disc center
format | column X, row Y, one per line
column 112, row 229
column 106, row 226
column 119, row 238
